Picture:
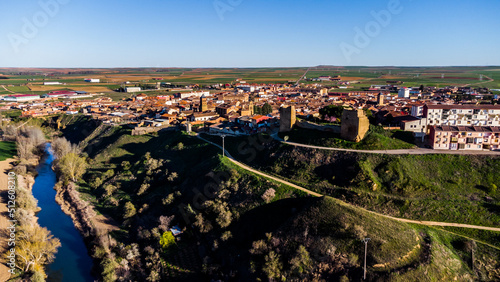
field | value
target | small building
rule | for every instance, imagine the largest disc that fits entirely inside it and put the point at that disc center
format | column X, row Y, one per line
column 132, row 89
column 416, row 125
column 193, row 94
column 92, row 80
column 52, row 83
column 202, row 116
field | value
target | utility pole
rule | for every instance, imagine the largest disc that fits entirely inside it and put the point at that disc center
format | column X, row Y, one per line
column 366, row 249
column 223, row 150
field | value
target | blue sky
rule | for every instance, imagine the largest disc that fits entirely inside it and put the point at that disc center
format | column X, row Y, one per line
column 248, row 33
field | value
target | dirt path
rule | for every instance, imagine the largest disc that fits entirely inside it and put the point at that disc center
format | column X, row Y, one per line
column 478, row 83
column 428, row 223
column 4, row 170
column 8, row 90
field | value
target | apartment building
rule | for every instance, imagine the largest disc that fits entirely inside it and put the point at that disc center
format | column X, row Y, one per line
column 470, row 138
column 462, row 115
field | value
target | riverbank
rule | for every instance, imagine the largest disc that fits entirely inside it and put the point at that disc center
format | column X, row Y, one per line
column 71, row 262
column 85, row 219
column 5, row 167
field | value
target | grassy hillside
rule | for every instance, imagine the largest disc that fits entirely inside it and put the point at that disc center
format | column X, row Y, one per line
column 75, row 128
column 312, row 238
column 240, row 226
column 448, row 188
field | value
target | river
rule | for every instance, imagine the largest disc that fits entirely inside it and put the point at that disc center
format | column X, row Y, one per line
column 72, row 262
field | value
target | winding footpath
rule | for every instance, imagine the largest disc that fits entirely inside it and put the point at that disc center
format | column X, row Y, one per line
column 312, row 193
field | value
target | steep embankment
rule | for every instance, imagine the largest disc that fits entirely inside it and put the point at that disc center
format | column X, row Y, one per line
column 147, row 184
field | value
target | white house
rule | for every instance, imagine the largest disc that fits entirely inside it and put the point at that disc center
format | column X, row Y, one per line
column 404, row 92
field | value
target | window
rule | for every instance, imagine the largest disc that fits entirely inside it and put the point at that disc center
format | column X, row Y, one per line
column 469, row 134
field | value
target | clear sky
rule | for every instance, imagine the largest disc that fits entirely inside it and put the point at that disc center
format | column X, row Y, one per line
column 248, row 33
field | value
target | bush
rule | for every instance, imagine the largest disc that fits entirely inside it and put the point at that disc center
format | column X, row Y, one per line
column 129, row 210
column 167, row 240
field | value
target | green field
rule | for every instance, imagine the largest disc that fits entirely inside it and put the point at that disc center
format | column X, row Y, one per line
column 7, row 150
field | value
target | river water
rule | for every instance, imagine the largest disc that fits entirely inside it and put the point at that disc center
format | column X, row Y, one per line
column 72, row 262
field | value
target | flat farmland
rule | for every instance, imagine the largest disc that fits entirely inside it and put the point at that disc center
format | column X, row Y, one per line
column 366, row 76
column 48, row 88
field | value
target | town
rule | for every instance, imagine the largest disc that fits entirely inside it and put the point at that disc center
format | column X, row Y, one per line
column 441, row 118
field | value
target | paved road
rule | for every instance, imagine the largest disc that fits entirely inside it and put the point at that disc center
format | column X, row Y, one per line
column 419, row 151
column 312, row 193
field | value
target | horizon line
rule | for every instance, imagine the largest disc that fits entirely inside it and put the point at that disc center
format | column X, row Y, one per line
column 255, row 67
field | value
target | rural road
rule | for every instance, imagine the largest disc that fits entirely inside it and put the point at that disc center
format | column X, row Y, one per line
column 477, row 83
column 6, row 89
column 312, row 193
column 302, row 77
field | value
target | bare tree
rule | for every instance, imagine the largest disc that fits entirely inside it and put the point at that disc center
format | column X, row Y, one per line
column 25, row 147
column 165, row 222
column 61, row 147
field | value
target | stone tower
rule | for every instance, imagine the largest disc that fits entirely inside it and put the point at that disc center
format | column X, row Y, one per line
column 380, row 99
column 354, row 125
column 287, row 118
column 203, row 104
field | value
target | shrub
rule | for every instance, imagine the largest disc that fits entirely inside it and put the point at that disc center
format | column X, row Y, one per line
column 269, row 195
column 167, row 240
column 129, row 210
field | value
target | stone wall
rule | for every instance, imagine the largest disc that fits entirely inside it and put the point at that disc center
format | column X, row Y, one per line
column 147, row 130
column 311, row 125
